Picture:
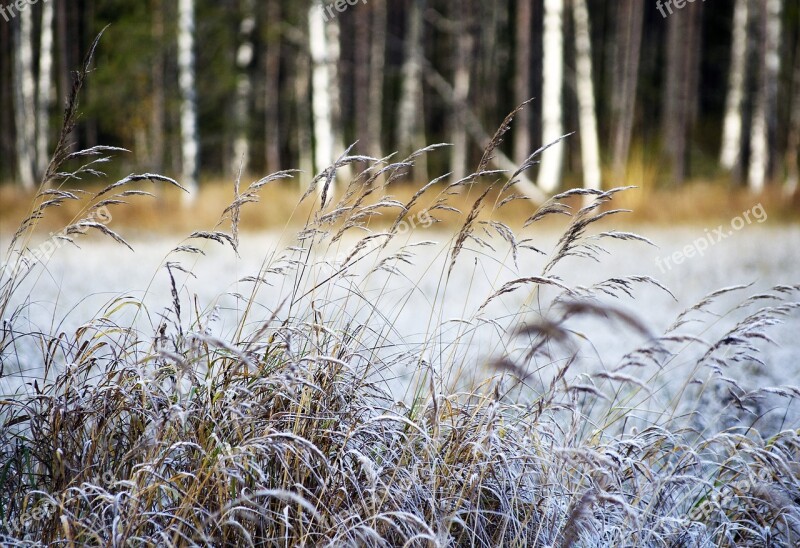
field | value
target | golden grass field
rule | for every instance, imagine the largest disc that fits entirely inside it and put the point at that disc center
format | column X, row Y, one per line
column 696, row 203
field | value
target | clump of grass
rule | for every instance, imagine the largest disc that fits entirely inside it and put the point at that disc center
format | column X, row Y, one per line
column 287, row 430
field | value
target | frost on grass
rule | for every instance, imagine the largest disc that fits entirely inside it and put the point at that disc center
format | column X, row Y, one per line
column 284, row 429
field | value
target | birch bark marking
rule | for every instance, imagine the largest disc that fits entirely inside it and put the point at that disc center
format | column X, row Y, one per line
column 24, row 107
column 190, row 148
column 553, row 77
column 320, row 89
column 45, row 86
column 590, row 147
column 732, row 126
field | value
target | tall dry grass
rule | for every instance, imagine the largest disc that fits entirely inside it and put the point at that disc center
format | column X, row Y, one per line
column 285, row 431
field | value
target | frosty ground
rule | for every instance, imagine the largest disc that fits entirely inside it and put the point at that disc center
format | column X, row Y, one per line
column 77, row 283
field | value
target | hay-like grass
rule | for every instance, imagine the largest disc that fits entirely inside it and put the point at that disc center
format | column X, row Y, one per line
column 285, row 431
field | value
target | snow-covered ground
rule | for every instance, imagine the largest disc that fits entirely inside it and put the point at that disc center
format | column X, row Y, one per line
column 78, row 284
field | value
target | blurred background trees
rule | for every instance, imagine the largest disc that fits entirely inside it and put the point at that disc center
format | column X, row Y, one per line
column 200, row 88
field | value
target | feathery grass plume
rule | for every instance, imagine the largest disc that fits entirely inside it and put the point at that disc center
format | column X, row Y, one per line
column 497, row 138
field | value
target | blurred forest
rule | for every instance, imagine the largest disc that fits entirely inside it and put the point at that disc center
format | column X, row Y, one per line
column 710, row 90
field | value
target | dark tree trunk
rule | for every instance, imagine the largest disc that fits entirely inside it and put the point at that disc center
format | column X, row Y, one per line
column 522, row 80
column 377, row 64
column 158, row 114
column 630, row 18
column 6, row 118
column 272, row 103
column 681, row 86
column 361, row 76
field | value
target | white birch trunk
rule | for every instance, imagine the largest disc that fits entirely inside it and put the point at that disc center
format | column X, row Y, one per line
column 333, row 30
column 320, row 89
column 24, row 108
column 590, row 146
column 765, row 112
column 45, row 87
column 732, row 126
column 553, row 77
column 756, row 177
column 190, row 148
column 408, row 113
column 461, row 84
column 244, row 86
column 410, row 116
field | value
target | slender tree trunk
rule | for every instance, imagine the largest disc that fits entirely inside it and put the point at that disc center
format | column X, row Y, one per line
column 302, row 89
column 762, row 136
column 553, row 78
column 158, row 112
column 272, row 76
column 793, row 142
column 7, row 144
column 190, row 149
column 320, row 88
column 590, row 146
column 244, row 87
column 459, row 157
column 730, row 153
column 672, row 117
column 45, row 89
column 87, row 11
column 757, row 172
column 377, row 62
column 680, row 94
column 492, row 58
column 522, row 80
column 410, row 115
column 24, row 96
column 65, row 62
column 361, row 77
column 62, row 23
column 629, row 43
column 333, row 30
